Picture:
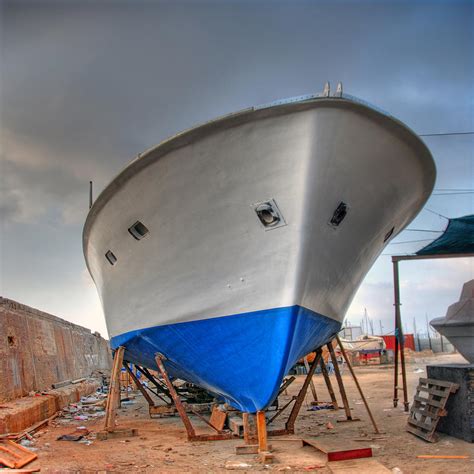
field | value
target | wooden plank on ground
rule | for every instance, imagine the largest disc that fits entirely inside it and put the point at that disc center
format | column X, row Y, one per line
column 339, row 451
column 218, row 418
column 162, row 410
column 439, row 383
column 367, row 466
column 64, row 383
column 117, row 433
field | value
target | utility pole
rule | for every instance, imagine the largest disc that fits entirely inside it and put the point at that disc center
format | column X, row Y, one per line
column 381, row 327
column 428, row 331
column 416, row 333
column 366, row 321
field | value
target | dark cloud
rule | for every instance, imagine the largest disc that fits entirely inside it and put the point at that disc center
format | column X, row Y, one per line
column 87, row 85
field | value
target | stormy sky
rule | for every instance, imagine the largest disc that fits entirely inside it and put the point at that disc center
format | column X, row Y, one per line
column 87, row 85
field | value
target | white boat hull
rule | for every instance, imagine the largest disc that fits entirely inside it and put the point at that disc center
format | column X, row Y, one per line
column 207, row 255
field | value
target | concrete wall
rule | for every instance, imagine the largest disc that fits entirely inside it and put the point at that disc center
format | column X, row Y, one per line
column 38, row 349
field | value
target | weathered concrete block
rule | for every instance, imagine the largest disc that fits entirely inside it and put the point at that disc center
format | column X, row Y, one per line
column 24, row 412
column 459, row 421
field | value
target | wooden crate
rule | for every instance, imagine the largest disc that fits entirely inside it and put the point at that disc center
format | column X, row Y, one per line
column 428, row 407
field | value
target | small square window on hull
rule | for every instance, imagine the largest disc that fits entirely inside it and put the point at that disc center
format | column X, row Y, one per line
column 388, row 234
column 138, row 230
column 111, row 257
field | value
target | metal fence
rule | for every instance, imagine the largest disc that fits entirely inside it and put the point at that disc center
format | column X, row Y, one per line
column 436, row 344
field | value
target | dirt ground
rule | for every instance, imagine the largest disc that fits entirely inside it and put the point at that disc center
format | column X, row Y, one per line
column 161, row 445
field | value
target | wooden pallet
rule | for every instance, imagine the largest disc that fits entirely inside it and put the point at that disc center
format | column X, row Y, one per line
column 14, row 455
column 428, row 407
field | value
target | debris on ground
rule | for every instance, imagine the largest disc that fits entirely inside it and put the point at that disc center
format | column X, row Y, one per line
column 77, row 435
column 236, row 465
column 321, row 406
column 162, row 444
column 90, row 407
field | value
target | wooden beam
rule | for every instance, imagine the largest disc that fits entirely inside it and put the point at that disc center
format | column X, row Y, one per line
column 262, row 432
column 340, row 383
column 139, row 385
column 113, row 399
column 311, row 383
column 359, row 388
column 174, row 395
column 327, row 379
column 290, row 424
column 250, row 428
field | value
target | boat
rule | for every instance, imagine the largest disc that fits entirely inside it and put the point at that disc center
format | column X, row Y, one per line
column 235, row 248
column 365, row 344
column 457, row 326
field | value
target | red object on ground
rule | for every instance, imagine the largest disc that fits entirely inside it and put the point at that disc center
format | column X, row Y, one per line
column 390, row 342
column 336, row 452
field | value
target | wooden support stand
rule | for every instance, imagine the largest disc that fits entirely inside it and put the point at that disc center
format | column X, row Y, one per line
column 251, row 437
column 113, row 402
column 191, row 433
column 250, row 428
column 311, row 383
column 359, row 388
column 140, row 387
column 324, row 371
column 263, row 449
column 340, row 383
column 298, row 400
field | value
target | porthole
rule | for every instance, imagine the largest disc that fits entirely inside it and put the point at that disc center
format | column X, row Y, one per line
column 269, row 215
column 138, row 230
column 111, row 257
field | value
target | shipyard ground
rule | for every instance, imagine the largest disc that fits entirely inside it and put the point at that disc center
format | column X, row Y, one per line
column 162, row 447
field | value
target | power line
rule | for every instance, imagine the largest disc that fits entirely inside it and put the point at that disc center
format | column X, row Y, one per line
column 436, row 213
column 453, row 189
column 452, row 194
column 423, row 230
column 444, row 134
column 410, row 241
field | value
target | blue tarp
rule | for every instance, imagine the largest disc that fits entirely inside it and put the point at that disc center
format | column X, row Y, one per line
column 458, row 238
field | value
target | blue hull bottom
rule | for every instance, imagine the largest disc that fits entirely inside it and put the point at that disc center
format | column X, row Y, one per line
column 242, row 357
